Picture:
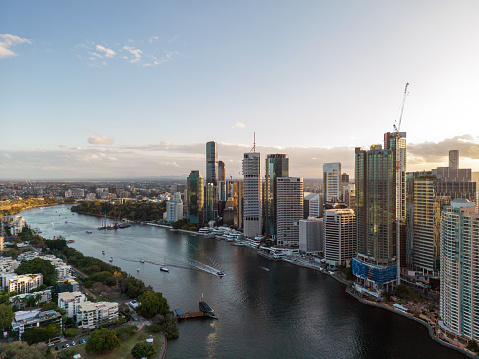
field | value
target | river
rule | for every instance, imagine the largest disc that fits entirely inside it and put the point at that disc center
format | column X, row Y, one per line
column 266, row 309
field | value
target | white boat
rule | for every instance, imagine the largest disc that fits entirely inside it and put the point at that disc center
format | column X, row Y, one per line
column 142, row 261
column 138, row 269
column 89, row 232
column 164, row 269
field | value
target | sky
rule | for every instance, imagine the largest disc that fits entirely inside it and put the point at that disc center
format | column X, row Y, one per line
column 129, row 89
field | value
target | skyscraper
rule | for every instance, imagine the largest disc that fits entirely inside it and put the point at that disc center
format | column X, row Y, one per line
column 376, row 217
column 211, row 190
column 459, row 293
column 332, row 181
column 289, row 205
column 252, row 218
column 196, row 197
column 276, row 165
column 221, row 171
column 454, row 159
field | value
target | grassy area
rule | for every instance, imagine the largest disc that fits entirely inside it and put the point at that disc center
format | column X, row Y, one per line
column 124, row 351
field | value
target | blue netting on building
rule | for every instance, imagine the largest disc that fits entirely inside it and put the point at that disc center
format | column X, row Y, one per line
column 377, row 274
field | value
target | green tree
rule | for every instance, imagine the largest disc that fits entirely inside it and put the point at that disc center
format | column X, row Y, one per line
column 102, row 340
column 39, row 265
column 19, row 350
column 66, row 354
column 6, row 316
column 143, row 349
column 151, row 304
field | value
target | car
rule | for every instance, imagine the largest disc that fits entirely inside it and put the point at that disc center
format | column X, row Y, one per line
column 73, row 343
column 63, row 346
column 67, row 345
column 81, row 341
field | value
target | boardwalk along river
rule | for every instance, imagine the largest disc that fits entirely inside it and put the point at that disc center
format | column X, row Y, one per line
column 265, row 309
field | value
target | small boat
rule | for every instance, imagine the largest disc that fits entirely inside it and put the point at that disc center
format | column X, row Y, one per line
column 142, row 261
column 220, row 274
column 103, row 252
column 164, row 269
column 89, row 232
column 138, row 269
column 66, row 221
column 111, row 259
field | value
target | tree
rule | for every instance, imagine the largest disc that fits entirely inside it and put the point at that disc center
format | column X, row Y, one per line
column 66, row 354
column 39, row 265
column 152, row 303
column 19, row 350
column 143, row 349
column 6, row 316
column 102, row 340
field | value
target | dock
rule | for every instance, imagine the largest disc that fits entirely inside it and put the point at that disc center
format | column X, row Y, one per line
column 205, row 311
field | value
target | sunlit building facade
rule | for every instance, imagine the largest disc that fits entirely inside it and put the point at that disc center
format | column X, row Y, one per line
column 196, row 198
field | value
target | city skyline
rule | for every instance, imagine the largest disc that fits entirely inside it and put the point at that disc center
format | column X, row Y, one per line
column 128, row 91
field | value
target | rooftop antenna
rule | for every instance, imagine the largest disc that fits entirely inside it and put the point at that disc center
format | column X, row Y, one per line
column 254, row 142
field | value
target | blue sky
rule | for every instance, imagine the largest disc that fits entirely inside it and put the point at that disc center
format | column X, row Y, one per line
column 128, row 89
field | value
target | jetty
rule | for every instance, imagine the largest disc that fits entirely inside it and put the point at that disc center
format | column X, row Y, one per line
column 204, row 311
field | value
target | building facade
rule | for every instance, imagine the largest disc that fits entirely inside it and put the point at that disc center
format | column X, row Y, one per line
column 310, row 235
column 289, row 204
column 211, row 190
column 252, row 206
column 196, row 198
column 459, row 294
column 332, row 181
column 339, row 236
column 276, row 165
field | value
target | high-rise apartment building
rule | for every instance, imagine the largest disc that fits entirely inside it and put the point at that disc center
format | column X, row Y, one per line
column 196, row 198
column 221, row 171
column 252, row 209
column 289, row 206
column 332, row 181
column 310, row 235
column 459, row 295
column 276, row 165
column 211, row 190
column 339, row 236
column 379, row 207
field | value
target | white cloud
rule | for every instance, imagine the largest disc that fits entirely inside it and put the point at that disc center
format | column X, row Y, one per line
column 6, row 41
column 97, row 139
column 135, row 52
column 174, row 38
column 151, row 39
column 238, row 125
column 108, row 52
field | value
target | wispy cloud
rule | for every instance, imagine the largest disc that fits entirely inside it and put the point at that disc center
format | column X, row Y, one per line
column 137, row 53
column 97, row 139
column 238, row 125
column 146, row 54
column 7, row 41
column 173, row 39
column 108, row 52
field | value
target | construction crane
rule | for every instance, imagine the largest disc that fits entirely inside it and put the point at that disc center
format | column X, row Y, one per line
column 396, row 129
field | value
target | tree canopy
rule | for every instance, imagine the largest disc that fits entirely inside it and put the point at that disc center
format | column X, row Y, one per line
column 143, row 349
column 19, row 350
column 6, row 316
column 152, row 303
column 102, row 340
column 39, row 265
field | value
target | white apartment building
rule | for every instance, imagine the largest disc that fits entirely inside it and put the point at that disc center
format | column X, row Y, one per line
column 17, row 224
column 24, row 283
column 339, row 236
column 174, row 211
column 289, row 209
column 8, row 265
column 459, row 272
column 34, row 318
column 69, row 302
column 252, row 209
column 310, row 235
column 44, row 296
column 63, row 271
column 93, row 315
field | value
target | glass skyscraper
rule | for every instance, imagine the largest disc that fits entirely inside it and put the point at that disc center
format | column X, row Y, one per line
column 196, row 197
column 276, row 165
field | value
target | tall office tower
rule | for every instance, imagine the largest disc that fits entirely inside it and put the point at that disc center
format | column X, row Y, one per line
column 339, row 236
column 454, row 159
column 310, row 235
column 344, row 178
column 222, row 193
column 221, row 171
column 196, row 198
column 289, row 210
column 276, row 165
column 375, row 265
column 252, row 211
column 211, row 205
column 427, row 194
column 459, row 293
column 348, row 195
column 332, row 181
column 396, row 141
column 312, row 205
column 238, row 201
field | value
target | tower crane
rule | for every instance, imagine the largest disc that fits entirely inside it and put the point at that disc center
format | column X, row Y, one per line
column 396, row 129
